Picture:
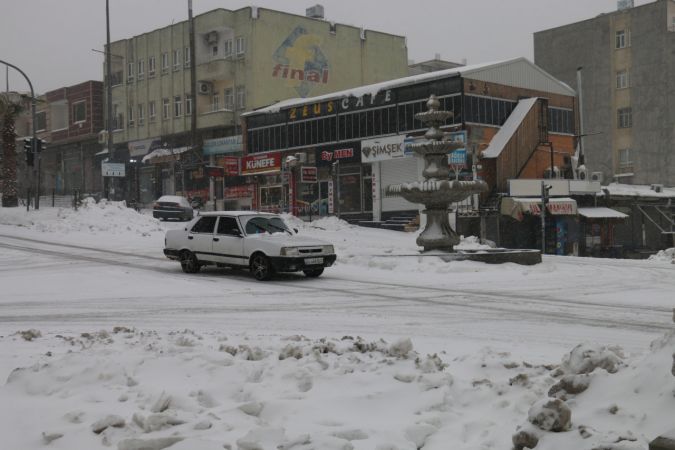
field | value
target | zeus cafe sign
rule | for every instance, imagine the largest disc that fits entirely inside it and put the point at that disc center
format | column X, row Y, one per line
column 345, row 104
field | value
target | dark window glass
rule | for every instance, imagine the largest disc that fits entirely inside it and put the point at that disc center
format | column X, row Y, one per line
column 228, row 226
column 205, row 225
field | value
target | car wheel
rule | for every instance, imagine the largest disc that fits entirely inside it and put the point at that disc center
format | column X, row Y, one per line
column 189, row 262
column 313, row 273
column 261, row 267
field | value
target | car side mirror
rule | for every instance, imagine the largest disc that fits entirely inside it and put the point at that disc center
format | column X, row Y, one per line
column 296, row 230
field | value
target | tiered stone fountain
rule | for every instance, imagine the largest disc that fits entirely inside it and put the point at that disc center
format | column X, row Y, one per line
column 437, row 193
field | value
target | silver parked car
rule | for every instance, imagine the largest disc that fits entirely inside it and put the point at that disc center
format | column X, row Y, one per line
column 172, row 207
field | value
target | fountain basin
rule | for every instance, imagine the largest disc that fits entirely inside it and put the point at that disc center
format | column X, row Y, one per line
column 435, row 192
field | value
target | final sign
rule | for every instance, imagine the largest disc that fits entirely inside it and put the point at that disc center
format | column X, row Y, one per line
column 308, row 175
column 262, row 163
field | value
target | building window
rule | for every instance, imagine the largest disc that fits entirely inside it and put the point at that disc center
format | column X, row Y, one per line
column 625, row 160
column 622, row 39
column 130, row 71
column 151, row 66
column 118, row 119
column 215, row 102
column 229, row 99
column 79, row 112
column 131, row 116
column 165, row 108
column 624, row 118
column 41, row 121
column 165, row 62
column 176, row 59
column 227, row 49
column 241, row 45
column 241, row 97
column 214, row 50
column 177, row 106
column 152, row 111
column 622, row 79
column 141, row 114
column 141, row 69
column 186, row 59
column 188, row 105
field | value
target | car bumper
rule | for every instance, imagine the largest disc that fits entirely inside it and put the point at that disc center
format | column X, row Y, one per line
column 170, row 214
column 294, row 264
column 172, row 254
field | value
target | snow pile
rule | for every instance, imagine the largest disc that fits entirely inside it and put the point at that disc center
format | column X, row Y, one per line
column 143, row 389
column 104, row 217
column 362, row 246
column 604, row 401
column 667, row 255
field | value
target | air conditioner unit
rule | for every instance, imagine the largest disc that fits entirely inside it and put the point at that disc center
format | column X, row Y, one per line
column 597, row 176
column 657, row 187
column 315, row 12
column 211, row 37
column 582, row 173
column 204, row 87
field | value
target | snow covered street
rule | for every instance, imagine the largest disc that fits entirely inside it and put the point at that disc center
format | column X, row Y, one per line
column 387, row 350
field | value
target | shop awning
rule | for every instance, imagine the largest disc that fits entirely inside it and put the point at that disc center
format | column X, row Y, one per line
column 163, row 152
column 601, row 212
column 516, row 207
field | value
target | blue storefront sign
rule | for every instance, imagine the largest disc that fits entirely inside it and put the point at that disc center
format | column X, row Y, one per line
column 224, row 145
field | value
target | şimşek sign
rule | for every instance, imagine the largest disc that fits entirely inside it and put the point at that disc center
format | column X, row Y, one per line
column 382, row 149
column 261, row 163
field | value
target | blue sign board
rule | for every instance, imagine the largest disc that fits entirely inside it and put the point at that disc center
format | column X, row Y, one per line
column 224, row 145
column 458, row 157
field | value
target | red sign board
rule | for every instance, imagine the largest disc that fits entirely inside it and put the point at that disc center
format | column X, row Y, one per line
column 214, row 171
column 233, row 192
column 262, row 163
column 308, row 175
column 331, row 155
column 231, row 165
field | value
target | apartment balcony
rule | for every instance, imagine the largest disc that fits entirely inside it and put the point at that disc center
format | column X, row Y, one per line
column 221, row 118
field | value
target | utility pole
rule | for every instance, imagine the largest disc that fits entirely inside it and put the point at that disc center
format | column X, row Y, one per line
column 581, row 157
column 109, row 125
column 544, row 201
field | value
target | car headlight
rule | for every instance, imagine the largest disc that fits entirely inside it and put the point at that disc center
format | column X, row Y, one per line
column 290, row 251
column 328, row 249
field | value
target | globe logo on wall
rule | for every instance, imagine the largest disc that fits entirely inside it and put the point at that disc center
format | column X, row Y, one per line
column 300, row 61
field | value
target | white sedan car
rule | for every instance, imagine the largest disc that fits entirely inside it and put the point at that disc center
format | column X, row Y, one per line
column 258, row 241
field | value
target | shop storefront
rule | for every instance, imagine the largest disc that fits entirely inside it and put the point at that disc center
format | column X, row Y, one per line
column 343, row 178
column 597, row 225
column 522, row 226
column 263, row 170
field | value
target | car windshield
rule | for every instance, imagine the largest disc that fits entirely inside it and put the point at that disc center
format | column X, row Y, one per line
column 263, row 224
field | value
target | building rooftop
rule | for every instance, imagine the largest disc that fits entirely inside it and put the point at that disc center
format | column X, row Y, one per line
column 486, row 71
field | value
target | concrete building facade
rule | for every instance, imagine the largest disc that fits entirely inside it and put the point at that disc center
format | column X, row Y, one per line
column 245, row 59
column 627, row 61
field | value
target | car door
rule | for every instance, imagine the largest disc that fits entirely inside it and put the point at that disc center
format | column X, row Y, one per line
column 228, row 242
column 201, row 237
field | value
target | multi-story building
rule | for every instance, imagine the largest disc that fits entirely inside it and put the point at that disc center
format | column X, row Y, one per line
column 69, row 120
column 245, row 59
column 627, row 61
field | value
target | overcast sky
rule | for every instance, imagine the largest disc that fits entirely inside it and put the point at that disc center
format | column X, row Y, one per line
column 56, row 50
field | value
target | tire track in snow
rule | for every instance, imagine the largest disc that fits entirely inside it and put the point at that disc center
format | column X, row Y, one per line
column 486, row 302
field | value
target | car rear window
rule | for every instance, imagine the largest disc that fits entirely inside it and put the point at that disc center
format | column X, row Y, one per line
column 204, row 225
